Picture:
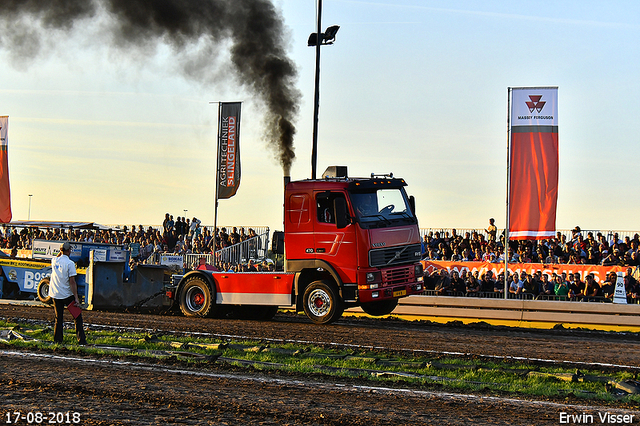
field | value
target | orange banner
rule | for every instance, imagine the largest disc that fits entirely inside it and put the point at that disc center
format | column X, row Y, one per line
column 533, row 190
column 5, row 192
column 533, row 163
column 599, row 272
column 22, row 253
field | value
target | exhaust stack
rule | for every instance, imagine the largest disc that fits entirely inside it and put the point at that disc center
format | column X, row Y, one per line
column 287, row 179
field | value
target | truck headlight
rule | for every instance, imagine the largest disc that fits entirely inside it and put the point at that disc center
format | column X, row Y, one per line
column 418, row 271
column 374, row 277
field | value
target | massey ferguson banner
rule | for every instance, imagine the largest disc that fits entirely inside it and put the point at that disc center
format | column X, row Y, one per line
column 229, row 149
column 5, row 193
column 533, row 163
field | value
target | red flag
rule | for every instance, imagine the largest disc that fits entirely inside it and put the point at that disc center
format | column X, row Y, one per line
column 5, row 193
column 533, row 163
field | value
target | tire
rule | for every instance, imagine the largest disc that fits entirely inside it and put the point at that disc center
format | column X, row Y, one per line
column 322, row 303
column 43, row 291
column 197, row 299
column 382, row 307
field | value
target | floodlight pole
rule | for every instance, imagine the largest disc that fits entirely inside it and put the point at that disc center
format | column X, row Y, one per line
column 316, row 104
column 29, row 217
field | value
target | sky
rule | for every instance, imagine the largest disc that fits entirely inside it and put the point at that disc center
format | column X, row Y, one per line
column 413, row 87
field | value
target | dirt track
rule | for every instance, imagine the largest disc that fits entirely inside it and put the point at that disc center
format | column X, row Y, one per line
column 167, row 393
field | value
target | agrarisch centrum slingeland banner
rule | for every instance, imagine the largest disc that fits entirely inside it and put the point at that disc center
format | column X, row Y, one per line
column 229, row 149
column 533, row 163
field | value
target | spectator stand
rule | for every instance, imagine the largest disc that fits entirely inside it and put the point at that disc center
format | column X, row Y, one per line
column 574, row 246
column 433, row 277
column 238, row 246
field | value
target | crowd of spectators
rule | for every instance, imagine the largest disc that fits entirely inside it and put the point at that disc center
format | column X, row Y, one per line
column 576, row 249
column 180, row 236
column 538, row 285
column 187, row 236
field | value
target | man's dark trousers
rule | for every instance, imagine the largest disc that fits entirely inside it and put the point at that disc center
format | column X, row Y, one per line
column 59, row 305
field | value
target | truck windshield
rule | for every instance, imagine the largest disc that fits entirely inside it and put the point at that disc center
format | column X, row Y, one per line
column 381, row 208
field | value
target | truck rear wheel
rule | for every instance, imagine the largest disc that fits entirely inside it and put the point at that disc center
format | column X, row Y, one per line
column 196, row 298
column 43, row 291
column 322, row 303
column 379, row 308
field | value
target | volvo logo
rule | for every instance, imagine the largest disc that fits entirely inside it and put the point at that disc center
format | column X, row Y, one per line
column 379, row 244
column 397, row 255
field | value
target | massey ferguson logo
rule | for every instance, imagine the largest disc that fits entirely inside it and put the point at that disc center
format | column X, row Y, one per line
column 535, row 103
column 535, row 106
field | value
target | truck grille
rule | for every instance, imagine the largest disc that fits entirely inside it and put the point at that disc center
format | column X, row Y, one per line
column 395, row 255
column 396, row 276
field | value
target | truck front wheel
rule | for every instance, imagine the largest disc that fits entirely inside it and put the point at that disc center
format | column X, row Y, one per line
column 43, row 291
column 322, row 303
column 379, row 308
column 196, row 298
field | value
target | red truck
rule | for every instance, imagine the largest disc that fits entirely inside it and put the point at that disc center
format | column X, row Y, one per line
column 347, row 242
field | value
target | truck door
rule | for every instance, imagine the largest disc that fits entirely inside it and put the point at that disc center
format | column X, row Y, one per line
column 299, row 226
column 336, row 246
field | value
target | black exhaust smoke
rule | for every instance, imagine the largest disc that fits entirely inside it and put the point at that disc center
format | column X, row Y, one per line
column 252, row 30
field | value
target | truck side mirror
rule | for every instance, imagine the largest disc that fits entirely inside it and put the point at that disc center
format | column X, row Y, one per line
column 412, row 204
column 342, row 215
column 277, row 244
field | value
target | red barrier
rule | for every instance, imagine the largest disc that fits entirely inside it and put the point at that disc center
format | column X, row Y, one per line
column 599, row 272
column 22, row 253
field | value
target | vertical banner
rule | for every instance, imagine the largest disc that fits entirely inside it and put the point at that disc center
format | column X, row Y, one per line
column 5, row 193
column 533, row 163
column 620, row 292
column 229, row 149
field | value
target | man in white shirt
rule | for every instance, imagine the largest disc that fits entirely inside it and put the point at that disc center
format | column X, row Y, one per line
column 64, row 290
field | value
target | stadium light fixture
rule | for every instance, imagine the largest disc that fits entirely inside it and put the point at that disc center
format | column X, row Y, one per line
column 327, row 37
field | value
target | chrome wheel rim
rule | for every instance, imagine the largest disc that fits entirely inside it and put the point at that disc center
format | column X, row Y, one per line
column 44, row 290
column 195, row 299
column 319, row 303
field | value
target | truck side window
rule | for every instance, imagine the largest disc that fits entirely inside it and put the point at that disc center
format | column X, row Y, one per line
column 325, row 208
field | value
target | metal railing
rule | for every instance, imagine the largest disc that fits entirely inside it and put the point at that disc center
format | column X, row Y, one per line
column 192, row 260
column 259, row 230
column 253, row 248
column 608, row 234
